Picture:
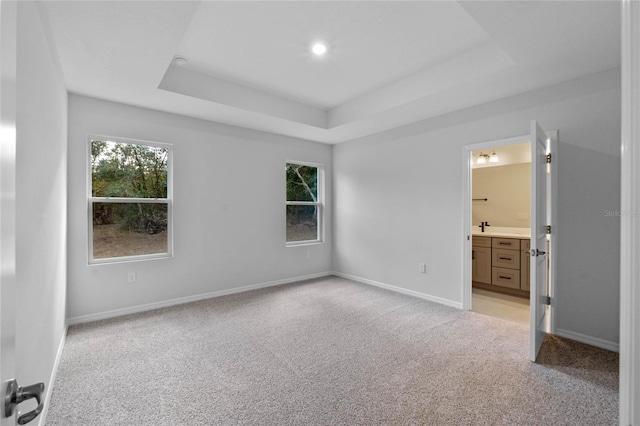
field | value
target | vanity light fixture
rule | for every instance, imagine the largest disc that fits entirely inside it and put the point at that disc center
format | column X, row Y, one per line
column 482, row 158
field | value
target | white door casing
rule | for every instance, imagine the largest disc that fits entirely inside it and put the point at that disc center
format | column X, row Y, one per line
column 630, row 220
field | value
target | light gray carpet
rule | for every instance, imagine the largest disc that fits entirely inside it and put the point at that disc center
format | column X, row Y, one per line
column 326, row 351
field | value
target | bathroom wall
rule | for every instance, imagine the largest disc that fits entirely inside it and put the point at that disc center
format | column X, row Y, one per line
column 507, row 190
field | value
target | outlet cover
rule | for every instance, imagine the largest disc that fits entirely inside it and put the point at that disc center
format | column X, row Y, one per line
column 422, row 267
column 131, row 277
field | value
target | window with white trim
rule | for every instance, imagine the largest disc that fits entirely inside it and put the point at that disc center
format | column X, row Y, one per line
column 129, row 200
column 304, row 203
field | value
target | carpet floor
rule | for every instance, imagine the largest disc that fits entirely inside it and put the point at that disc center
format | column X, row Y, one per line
column 322, row 352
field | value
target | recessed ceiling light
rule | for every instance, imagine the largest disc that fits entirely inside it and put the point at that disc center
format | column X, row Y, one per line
column 319, row 49
column 180, row 60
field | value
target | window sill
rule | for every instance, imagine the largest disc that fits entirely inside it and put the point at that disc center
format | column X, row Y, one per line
column 304, row 243
column 129, row 259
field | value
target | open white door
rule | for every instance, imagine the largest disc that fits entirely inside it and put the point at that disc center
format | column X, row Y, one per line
column 8, row 20
column 538, row 290
column 11, row 394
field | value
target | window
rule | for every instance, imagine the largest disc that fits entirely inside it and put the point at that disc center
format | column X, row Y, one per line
column 304, row 203
column 129, row 200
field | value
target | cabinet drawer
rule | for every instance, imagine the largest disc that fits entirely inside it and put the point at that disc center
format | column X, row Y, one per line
column 481, row 241
column 525, row 244
column 505, row 258
column 508, row 243
column 505, row 277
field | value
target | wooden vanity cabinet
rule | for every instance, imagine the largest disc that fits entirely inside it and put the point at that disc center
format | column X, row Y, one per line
column 501, row 262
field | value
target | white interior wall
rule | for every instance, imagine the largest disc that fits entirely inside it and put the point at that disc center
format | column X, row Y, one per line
column 41, row 203
column 398, row 200
column 229, row 210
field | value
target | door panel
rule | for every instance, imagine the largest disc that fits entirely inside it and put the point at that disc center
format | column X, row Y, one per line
column 538, row 261
column 8, row 22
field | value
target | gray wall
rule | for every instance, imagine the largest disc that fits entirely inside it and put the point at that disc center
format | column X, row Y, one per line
column 41, row 203
column 398, row 199
column 229, row 210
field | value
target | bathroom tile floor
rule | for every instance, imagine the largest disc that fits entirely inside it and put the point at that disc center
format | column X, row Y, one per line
column 498, row 305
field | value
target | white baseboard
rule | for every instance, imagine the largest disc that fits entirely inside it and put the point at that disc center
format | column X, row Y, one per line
column 583, row 338
column 440, row 300
column 181, row 300
column 42, row 419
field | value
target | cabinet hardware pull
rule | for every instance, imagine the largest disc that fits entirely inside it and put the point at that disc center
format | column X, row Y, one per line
column 504, row 278
column 502, row 243
column 504, row 258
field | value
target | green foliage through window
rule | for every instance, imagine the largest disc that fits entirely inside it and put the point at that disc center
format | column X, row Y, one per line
column 128, row 170
column 302, row 183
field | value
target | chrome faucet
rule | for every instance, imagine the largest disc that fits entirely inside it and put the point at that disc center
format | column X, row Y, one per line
column 483, row 224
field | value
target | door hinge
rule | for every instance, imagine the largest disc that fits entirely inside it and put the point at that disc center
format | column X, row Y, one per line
column 549, row 158
column 548, row 229
column 547, row 300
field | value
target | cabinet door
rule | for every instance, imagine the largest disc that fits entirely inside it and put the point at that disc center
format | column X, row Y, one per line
column 481, row 265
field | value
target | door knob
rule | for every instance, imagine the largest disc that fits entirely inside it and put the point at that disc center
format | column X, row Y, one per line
column 536, row 252
column 15, row 394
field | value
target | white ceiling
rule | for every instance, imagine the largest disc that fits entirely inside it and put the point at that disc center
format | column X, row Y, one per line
column 388, row 63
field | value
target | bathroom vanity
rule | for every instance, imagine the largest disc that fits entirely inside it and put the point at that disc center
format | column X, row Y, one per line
column 500, row 261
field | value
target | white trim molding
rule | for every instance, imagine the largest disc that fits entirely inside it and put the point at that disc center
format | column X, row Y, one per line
column 630, row 220
column 181, row 300
column 401, row 290
column 42, row 419
column 589, row 340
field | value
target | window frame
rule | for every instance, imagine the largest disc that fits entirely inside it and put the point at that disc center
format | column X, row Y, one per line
column 319, row 204
column 113, row 200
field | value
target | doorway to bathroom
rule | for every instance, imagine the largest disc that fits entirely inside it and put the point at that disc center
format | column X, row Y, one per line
column 508, row 267
column 500, row 231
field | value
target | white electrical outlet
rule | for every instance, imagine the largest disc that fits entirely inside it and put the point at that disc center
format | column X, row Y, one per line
column 308, row 255
column 131, row 277
column 422, row 267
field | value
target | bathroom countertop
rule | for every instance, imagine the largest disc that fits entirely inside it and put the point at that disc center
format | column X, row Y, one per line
column 503, row 232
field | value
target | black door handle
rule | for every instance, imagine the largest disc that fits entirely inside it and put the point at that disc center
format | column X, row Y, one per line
column 15, row 394
column 536, row 252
